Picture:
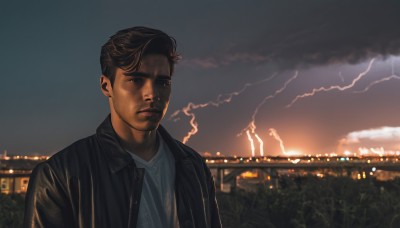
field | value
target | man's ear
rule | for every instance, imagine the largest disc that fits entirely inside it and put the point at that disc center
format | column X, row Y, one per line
column 105, row 85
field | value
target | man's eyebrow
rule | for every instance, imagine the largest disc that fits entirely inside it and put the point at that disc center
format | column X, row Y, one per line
column 145, row 75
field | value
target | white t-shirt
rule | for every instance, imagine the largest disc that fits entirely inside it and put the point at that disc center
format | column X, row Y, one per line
column 157, row 203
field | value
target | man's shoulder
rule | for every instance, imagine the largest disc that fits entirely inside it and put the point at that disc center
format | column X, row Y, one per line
column 76, row 154
column 80, row 147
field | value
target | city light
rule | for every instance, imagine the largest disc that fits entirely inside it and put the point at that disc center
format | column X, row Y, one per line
column 267, row 168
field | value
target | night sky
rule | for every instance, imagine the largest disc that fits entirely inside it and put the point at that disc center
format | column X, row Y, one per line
column 323, row 74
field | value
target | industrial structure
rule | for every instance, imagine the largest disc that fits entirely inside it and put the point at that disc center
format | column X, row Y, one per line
column 238, row 172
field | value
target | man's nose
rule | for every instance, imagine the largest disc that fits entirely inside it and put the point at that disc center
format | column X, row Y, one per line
column 150, row 91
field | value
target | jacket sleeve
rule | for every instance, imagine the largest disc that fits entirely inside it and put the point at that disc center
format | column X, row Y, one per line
column 214, row 211
column 46, row 202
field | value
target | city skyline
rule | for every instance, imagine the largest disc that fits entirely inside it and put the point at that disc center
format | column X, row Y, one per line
column 322, row 77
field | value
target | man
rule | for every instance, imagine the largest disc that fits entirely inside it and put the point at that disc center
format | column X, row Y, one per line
column 131, row 173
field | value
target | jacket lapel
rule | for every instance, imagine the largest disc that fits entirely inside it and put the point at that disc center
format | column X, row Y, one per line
column 117, row 157
column 188, row 189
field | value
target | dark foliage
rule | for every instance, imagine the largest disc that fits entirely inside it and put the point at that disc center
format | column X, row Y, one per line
column 316, row 202
column 327, row 202
column 11, row 210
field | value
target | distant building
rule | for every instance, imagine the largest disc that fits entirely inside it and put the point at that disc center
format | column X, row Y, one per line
column 15, row 172
column 237, row 172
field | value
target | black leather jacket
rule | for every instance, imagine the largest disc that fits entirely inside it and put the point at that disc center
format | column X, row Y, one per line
column 95, row 183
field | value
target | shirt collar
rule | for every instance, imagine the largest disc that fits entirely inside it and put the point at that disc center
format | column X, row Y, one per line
column 119, row 158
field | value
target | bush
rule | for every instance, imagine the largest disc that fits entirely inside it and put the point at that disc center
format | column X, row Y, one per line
column 11, row 210
column 327, row 202
column 316, row 202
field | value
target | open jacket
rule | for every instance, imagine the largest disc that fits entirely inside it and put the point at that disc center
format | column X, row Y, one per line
column 95, row 183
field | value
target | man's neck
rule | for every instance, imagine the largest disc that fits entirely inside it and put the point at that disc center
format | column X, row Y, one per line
column 144, row 144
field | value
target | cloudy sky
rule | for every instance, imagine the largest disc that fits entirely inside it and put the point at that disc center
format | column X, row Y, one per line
column 322, row 75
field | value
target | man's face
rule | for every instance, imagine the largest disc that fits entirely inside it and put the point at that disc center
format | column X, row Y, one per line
column 140, row 99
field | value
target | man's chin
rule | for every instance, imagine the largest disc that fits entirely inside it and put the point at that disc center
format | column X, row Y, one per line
column 147, row 127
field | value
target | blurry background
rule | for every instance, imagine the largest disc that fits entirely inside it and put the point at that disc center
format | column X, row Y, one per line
column 269, row 52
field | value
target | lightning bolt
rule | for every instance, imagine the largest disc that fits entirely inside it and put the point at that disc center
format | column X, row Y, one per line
column 221, row 99
column 274, row 133
column 377, row 82
column 251, row 127
column 253, row 149
column 261, row 144
column 341, row 76
column 334, row 87
column 388, row 78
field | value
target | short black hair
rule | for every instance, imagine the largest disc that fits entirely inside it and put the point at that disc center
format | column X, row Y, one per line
column 127, row 47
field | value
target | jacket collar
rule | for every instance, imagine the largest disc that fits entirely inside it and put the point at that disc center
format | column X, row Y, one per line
column 174, row 146
column 118, row 157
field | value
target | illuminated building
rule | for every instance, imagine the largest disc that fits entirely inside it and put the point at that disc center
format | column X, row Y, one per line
column 15, row 172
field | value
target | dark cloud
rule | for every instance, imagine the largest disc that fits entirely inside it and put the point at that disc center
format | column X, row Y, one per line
column 341, row 31
column 49, row 61
column 316, row 32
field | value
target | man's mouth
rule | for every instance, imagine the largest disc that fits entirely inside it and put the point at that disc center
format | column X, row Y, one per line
column 150, row 110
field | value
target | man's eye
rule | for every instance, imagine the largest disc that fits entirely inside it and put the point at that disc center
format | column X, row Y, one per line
column 136, row 80
column 164, row 82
